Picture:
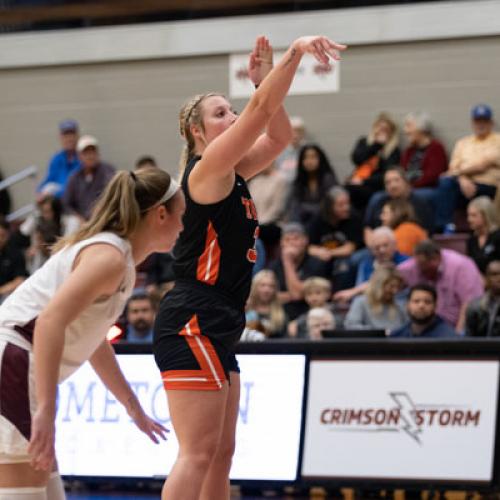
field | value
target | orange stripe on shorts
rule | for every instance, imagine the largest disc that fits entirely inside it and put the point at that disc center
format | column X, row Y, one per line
column 211, row 374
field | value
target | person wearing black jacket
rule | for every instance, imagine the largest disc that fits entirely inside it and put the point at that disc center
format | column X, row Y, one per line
column 372, row 155
column 483, row 314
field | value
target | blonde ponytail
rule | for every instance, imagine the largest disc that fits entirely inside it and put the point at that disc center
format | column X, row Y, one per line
column 122, row 205
column 191, row 113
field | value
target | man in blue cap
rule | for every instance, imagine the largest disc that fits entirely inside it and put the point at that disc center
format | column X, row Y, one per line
column 63, row 163
column 474, row 168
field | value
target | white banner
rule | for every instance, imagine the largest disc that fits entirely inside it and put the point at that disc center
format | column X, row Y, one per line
column 311, row 77
column 95, row 437
column 401, row 419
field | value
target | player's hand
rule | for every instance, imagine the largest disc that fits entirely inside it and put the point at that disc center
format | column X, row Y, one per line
column 261, row 60
column 321, row 47
column 42, row 443
column 150, row 427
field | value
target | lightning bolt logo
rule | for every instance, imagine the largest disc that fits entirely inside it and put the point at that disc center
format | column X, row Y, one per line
column 406, row 408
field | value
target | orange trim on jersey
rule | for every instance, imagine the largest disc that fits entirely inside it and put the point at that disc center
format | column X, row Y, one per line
column 209, row 261
column 210, row 376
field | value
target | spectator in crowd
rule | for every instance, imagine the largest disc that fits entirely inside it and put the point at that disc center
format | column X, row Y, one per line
column 315, row 176
column 50, row 213
column 261, row 261
column 44, row 236
column 5, row 202
column 424, row 322
column 474, row 168
column 399, row 215
column 425, row 158
column 336, row 230
column 397, row 187
column 264, row 311
column 156, row 274
column 382, row 253
column 372, row 155
column 483, row 313
column 140, row 315
column 318, row 320
column 269, row 190
column 86, row 184
column 317, row 293
column 12, row 264
column 335, row 234
column 144, row 162
column 483, row 245
column 286, row 163
column 455, row 277
column 378, row 308
column 294, row 266
column 497, row 202
column 64, row 163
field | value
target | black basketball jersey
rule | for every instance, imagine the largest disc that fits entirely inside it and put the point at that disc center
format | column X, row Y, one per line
column 217, row 245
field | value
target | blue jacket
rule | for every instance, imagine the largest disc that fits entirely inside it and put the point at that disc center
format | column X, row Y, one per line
column 366, row 266
column 59, row 170
column 438, row 328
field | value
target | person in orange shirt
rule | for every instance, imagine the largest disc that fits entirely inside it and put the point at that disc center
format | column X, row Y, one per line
column 399, row 215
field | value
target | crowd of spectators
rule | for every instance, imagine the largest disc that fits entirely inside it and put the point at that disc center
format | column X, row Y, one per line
column 361, row 253
column 365, row 253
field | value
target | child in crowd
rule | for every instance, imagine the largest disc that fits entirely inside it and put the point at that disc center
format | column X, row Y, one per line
column 317, row 293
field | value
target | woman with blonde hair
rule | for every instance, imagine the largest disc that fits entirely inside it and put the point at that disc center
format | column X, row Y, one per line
column 264, row 311
column 483, row 246
column 202, row 318
column 378, row 308
column 372, row 155
column 399, row 215
column 58, row 319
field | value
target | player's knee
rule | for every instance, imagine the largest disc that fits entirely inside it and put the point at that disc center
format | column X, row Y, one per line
column 202, row 454
column 225, row 452
column 200, row 459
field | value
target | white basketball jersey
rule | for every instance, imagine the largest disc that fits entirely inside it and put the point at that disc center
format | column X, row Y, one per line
column 20, row 310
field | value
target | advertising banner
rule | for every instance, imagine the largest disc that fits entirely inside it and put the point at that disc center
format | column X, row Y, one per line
column 311, row 77
column 401, row 420
column 95, row 436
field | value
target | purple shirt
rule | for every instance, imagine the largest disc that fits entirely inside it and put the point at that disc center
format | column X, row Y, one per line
column 82, row 191
column 458, row 282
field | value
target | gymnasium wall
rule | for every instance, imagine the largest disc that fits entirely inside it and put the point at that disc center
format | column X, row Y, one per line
column 129, row 99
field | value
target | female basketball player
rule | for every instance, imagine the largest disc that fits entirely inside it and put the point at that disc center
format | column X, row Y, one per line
column 202, row 318
column 59, row 317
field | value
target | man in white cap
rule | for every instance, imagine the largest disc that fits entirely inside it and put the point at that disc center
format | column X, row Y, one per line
column 85, row 185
